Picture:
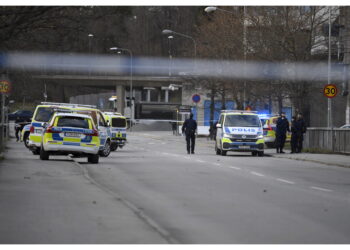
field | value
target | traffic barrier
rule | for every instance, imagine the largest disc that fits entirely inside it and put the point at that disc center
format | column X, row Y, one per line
column 326, row 139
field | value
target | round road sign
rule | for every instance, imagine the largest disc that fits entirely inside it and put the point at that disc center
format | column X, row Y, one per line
column 330, row 90
column 196, row 98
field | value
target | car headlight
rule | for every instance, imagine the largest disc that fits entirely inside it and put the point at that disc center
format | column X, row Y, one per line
column 260, row 137
column 226, row 135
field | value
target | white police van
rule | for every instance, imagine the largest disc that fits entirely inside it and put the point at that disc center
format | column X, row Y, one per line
column 239, row 131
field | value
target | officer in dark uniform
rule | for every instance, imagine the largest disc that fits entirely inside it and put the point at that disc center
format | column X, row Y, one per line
column 293, row 140
column 189, row 128
column 282, row 126
column 300, row 128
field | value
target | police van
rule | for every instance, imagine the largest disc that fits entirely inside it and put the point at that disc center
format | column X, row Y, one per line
column 44, row 112
column 118, row 126
column 239, row 131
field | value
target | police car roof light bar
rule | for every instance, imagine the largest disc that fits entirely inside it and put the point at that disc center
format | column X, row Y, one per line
column 68, row 104
column 238, row 111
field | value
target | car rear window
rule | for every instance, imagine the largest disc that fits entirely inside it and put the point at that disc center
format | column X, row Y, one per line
column 118, row 122
column 44, row 114
column 70, row 121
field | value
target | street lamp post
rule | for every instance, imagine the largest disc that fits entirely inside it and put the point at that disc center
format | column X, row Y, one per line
column 90, row 37
column 131, row 90
column 170, row 56
column 171, row 32
column 212, row 9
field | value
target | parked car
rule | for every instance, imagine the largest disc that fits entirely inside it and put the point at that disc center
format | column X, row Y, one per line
column 70, row 133
column 345, row 126
column 22, row 114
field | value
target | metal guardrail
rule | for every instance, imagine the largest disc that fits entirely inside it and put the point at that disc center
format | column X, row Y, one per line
column 335, row 140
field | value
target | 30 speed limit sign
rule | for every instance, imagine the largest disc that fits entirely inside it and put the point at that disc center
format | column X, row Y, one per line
column 330, row 90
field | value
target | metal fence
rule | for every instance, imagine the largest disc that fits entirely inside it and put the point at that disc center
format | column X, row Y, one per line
column 335, row 140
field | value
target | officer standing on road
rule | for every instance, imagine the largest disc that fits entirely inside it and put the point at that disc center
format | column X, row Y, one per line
column 282, row 126
column 293, row 140
column 300, row 128
column 189, row 128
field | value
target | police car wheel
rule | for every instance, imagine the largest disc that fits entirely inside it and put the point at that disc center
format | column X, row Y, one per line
column 44, row 155
column 36, row 151
column 254, row 153
column 218, row 152
column 26, row 140
column 261, row 153
column 93, row 158
column 107, row 150
column 114, row 147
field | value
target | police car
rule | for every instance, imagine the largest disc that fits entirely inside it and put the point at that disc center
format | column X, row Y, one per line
column 239, row 131
column 42, row 114
column 118, row 126
column 269, row 127
column 70, row 133
column 45, row 111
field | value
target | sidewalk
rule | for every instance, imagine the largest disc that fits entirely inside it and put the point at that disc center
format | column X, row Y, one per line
column 327, row 159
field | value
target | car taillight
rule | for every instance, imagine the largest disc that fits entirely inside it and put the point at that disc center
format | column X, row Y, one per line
column 49, row 130
column 93, row 133
column 31, row 130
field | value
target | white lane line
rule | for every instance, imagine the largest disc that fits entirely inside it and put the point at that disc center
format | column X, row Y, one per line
column 257, row 174
column 235, row 168
column 322, row 189
column 200, row 161
column 187, row 157
column 216, row 164
column 151, row 143
column 285, row 181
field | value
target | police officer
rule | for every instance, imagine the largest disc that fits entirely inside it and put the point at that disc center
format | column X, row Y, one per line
column 293, row 140
column 189, row 128
column 300, row 128
column 282, row 126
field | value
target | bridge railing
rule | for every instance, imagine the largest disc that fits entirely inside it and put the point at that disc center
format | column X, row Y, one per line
column 326, row 139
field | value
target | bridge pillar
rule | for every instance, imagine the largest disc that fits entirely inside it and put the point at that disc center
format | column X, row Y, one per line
column 120, row 98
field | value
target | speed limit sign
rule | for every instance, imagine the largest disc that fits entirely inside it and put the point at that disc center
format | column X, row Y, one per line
column 330, row 90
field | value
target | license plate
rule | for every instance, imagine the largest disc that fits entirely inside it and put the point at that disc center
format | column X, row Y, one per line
column 37, row 131
column 244, row 147
column 72, row 134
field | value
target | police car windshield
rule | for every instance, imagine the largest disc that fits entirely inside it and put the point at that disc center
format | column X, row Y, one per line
column 74, row 122
column 118, row 123
column 242, row 121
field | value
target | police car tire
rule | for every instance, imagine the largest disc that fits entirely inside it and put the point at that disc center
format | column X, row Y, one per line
column 26, row 139
column 218, row 152
column 93, row 158
column 104, row 152
column 254, row 153
column 114, row 147
column 261, row 153
column 44, row 155
column 36, row 151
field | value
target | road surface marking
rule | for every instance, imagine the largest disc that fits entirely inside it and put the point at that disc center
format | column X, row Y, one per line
column 257, row 174
column 321, row 189
column 236, row 168
column 200, row 161
column 151, row 143
column 187, row 157
column 285, row 181
column 216, row 164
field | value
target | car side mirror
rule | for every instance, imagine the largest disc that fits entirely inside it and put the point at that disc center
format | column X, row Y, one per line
column 218, row 125
column 45, row 124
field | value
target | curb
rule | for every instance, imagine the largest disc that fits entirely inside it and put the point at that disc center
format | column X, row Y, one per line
column 314, row 161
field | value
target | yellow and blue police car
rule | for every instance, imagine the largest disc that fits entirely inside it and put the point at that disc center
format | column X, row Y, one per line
column 70, row 133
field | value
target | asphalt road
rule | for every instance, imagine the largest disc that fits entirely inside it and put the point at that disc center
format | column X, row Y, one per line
column 151, row 191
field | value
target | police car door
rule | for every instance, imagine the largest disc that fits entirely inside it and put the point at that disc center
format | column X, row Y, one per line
column 219, row 130
column 103, row 130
